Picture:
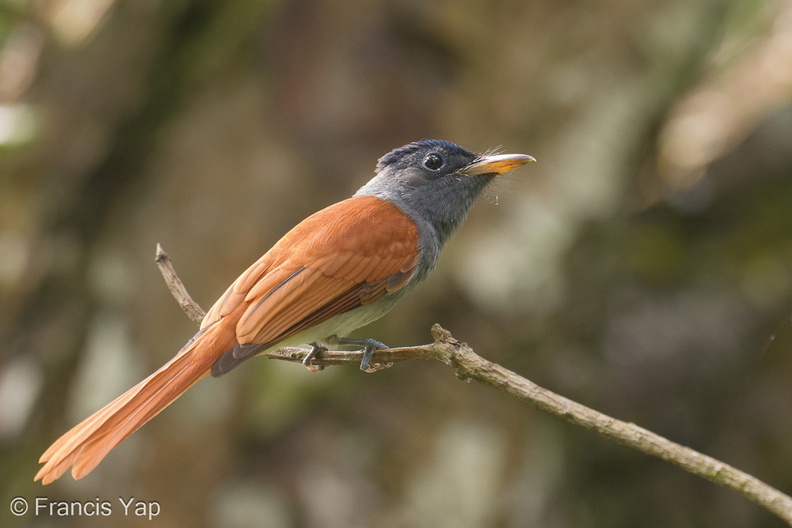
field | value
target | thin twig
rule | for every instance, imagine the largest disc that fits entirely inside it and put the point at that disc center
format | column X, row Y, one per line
column 176, row 287
column 468, row 365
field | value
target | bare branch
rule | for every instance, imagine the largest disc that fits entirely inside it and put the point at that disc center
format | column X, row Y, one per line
column 468, row 365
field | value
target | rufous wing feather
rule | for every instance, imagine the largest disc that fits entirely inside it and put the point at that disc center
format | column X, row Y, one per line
column 341, row 258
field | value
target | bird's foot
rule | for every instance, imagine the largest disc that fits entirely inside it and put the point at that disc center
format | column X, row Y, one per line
column 307, row 361
column 369, row 346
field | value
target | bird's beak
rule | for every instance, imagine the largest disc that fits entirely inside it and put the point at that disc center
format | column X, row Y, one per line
column 496, row 164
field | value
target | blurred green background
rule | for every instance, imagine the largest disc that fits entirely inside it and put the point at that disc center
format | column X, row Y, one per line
column 642, row 267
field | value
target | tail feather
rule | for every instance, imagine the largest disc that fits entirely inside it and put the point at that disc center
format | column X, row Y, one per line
column 87, row 443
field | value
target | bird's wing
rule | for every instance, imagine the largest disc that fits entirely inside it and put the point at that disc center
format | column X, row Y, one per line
column 345, row 256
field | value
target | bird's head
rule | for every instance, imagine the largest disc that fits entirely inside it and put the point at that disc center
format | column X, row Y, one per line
column 437, row 182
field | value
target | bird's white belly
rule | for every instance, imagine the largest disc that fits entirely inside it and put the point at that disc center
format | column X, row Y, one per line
column 341, row 325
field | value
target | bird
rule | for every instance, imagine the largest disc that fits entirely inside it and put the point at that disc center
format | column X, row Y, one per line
column 336, row 271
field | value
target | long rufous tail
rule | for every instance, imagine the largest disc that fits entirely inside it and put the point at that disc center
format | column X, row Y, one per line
column 87, row 443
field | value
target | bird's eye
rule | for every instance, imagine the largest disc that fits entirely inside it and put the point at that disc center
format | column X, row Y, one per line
column 434, row 161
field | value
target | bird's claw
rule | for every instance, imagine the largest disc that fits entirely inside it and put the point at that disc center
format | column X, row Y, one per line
column 369, row 346
column 307, row 361
column 376, row 367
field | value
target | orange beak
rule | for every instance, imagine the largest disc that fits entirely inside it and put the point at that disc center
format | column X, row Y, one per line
column 497, row 164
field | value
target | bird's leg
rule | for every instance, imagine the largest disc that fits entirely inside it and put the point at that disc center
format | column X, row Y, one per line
column 369, row 346
column 316, row 349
